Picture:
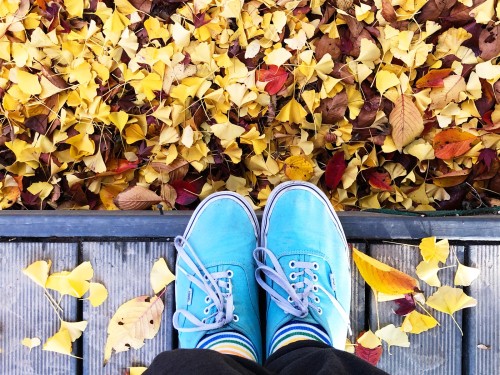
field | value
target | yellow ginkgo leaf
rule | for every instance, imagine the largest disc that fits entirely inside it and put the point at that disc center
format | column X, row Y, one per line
column 292, row 112
column 136, row 370
column 119, row 118
column 160, row 276
column 449, row 300
column 432, row 250
column 28, row 83
column 59, row 343
column 466, row 275
column 227, row 131
column 385, row 80
column 416, row 323
column 382, row 277
column 31, row 342
column 393, row 336
column 97, row 294
column 299, row 168
column 427, row 271
column 74, row 283
column 369, row 340
column 42, row 189
column 75, row 329
column 38, row 272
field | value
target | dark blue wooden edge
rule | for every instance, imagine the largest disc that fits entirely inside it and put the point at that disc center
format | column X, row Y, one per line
column 150, row 224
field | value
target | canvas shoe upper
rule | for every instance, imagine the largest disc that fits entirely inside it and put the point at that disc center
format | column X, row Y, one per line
column 303, row 263
column 215, row 288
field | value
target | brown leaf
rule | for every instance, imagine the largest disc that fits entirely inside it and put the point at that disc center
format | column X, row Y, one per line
column 168, row 194
column 453, row 178
column 136, row 198
column 142, row 5
column 489, row 42
column 453, row 86
column 406, row 121
column 176, row 170
column 326, row 45
column 333, row 109
column 388, row 11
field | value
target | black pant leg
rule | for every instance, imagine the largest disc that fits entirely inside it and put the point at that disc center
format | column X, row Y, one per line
column 202, row 362
column 312, row 357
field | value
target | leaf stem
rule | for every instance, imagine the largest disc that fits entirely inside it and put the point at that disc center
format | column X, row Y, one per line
column 452, row 317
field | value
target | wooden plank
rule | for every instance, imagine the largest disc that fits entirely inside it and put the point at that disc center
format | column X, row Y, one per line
column 358, row 302
column 483, row 325
column 435, row 352
column 26, row 312
column 124, row 268
column 150, row 224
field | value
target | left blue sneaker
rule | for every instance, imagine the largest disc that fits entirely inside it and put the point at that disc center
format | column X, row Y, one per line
column 215, row 292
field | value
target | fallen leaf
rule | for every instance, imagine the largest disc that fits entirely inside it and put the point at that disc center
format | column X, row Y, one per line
column 417, row 323
column 38, row 272
column 434, row 251
column 434, row 78
column 466, row 275
column 335, row 170
column 133, row 322
column 393, row 336
column 298, row 168
column 74, row 283
column 406, row 121
column 451, row 143
column 60, row 342
column 136, row 370
column 31, row 342
column 405, row 305
column 160, row 276
column 369, row 347
column 382, row 277
column 136, row 198
column 484, row 347
column 427, row 271
column 97, row 294
column 274, row 76
column 75, row 329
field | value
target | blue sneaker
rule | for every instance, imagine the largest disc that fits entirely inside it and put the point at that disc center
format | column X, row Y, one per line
column 303, row 265
column 215, row 292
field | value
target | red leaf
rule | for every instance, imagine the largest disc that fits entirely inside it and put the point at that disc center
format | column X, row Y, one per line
column 371, row 356
column 186, row 192
column 275, row 76
column 487, row 156
column 334, row 170
column 451, row 143
column 379, row 180
column 125, row 165
column 405, row 305
column 434, row 78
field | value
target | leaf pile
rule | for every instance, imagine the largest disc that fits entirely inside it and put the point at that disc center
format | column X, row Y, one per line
column 383, row 104
column 75, row 283
column 390, row 284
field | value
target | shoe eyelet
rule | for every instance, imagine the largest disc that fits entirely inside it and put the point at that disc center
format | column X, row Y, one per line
column 291, row 264
column 207, row 299
column 293, row 276
column 293, row 285
column 316, row 299
column 315, row 288
column 315, row 266
column 290, row 299
column 204, row 320
column 320, row 311
column 315, row 277
column 230, row 274
column 206, row 311
column 206, row 277
column 236, row 318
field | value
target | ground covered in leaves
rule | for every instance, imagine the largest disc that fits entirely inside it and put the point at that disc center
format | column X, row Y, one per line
column 126, row 104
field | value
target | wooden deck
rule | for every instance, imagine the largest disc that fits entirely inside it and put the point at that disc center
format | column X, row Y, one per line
column 123, row 266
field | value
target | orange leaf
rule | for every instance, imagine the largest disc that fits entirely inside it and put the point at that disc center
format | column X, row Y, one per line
column 434, row 78
column 379, row 180
column 451, row 179
column 451, row 143
column 406, row 121
column 382, row 277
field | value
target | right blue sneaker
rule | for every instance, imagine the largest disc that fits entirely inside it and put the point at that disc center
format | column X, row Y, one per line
column 303, row 265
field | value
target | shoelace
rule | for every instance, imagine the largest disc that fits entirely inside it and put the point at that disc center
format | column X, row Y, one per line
column 213, row 285
column 301, row 295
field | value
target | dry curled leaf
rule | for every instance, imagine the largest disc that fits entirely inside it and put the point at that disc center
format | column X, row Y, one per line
column 136, row 198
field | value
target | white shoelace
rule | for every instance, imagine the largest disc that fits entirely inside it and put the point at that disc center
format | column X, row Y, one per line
column 301, row 295
column 217, row 287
